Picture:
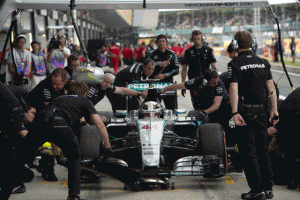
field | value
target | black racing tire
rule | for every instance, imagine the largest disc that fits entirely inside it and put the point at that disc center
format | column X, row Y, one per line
column 89, row 142
column 211, row 141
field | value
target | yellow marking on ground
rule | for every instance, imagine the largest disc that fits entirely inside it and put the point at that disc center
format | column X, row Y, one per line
column 52, row 182
column 65, row 183
column 229, row 180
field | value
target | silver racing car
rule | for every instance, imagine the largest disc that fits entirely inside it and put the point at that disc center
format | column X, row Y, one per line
column 156, row 143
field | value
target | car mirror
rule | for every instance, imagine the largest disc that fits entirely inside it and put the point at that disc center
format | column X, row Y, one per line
column 180, row 111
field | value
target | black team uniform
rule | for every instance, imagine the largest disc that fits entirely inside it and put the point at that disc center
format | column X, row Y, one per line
column 198, row 61
column 205, row 98
column 288, row 136
column 54, row 124
column 124, row 77
column 96, row 94
column 69, row 72
column 44, row 92
column 11, row 123
column 251, row 73
column 171, row 70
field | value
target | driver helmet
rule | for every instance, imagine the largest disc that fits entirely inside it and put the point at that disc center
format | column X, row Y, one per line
column 151, row 109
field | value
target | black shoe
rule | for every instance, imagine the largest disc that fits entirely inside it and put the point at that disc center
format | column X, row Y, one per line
column 254, row 196
column 19, row 189
column 48, row 175
column 73, row 198
column 269, row 194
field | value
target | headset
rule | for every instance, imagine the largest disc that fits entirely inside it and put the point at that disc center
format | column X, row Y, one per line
column 235, row 43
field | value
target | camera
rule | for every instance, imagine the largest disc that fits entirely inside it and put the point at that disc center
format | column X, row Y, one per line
column 55, row 43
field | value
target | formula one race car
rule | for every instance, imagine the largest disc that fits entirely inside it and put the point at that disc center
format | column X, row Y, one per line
column 156, row 144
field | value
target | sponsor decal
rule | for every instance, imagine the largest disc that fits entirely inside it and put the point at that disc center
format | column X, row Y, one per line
column 148, row 127
column 253, row 66
column 144, row 86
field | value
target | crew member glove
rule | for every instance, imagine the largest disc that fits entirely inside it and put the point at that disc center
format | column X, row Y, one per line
column 183, row 92
column 202, row 116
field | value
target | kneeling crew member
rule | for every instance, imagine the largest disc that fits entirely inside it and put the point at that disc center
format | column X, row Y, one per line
column 136, row 72
column 251, row 82
column 54, row 124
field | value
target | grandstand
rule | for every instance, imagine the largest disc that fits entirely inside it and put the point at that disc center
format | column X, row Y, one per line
column 219, row 25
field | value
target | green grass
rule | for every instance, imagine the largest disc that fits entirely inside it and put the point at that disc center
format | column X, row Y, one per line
column 288, row 60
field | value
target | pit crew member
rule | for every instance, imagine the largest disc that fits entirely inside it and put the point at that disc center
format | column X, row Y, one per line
column 197, row 60
column 166, row 66
column 54, row 123
column 251, row 82
column 137, row 72
column 12, row 135
column 212, row 98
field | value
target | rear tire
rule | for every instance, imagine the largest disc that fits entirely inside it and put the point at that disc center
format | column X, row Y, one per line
column 211, row 142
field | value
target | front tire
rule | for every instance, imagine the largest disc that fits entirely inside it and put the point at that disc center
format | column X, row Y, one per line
column 211, row 145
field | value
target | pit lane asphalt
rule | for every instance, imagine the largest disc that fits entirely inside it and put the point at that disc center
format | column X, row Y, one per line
column 229, row 187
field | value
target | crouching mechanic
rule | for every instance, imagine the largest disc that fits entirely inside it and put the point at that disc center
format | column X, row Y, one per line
column 211, row 99
column 137, row 72
column 54, row 123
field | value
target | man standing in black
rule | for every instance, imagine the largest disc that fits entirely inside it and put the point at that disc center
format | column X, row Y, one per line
column 137, row 72
column 198, row 58
column 251, row 83
column 166, row 66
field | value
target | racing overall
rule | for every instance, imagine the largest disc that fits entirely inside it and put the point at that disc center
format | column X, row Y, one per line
column 251, row 73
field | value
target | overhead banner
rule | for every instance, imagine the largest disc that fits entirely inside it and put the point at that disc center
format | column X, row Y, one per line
column 138, row 4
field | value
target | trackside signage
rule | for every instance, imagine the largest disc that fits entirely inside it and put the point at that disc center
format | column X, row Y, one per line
column 138, row 4
column 145, row 86
column 227, row 4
